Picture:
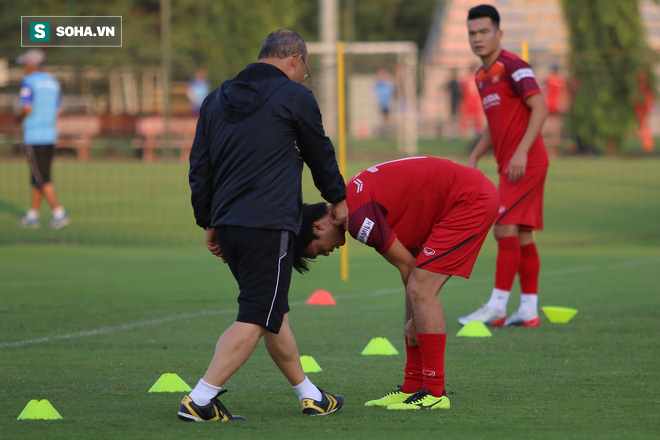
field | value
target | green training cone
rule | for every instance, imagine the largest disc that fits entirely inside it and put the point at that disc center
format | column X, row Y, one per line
column 169, row 383
column 39, row 410
column 475, row 329
column 379, row 346
column 309, row 365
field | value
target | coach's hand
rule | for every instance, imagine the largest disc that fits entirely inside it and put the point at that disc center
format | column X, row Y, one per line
column 339, row 214
column 517, row 166
column 213, row 245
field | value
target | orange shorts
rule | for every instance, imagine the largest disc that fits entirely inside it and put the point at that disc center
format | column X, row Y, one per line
column 456, row 239
column 521, row 203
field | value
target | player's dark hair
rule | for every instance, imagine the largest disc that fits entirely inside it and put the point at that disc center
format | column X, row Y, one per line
column 310, row 214
column 282, row 44
column 485, row 11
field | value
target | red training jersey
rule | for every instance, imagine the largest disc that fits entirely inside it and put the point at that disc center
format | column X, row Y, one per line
column 404, row 198
column 503, row 89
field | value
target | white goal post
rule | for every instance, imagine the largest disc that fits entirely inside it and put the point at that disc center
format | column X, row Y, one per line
column 406, row 114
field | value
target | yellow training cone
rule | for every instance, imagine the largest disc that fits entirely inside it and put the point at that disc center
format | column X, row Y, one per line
column 379, row 346
column 559, row 315
column 39, row 410
column 309, row 365
column 169, row 383
column 475, row 329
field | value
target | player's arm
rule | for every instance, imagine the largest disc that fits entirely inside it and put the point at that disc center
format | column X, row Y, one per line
column 484, row 144
column 401, row 258
column 26, row 96
column 518, row 163
column 25, row 110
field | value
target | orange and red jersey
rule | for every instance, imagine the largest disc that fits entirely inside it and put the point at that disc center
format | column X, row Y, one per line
column 503, row 89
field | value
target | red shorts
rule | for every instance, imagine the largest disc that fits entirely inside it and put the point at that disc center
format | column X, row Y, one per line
column 456, row 239
column 521, row 203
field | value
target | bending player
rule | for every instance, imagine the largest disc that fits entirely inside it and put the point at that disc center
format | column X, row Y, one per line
column 428, row 217
column 515, row 111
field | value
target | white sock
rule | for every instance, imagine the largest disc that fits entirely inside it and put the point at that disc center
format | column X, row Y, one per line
column 498, row 300
column 307, row 390
column 203, row 393
column 59, row 212
column 32, row 214
column 529, row 303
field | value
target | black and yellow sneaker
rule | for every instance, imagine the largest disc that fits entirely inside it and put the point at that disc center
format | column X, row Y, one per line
column 328, row 404
column 213, row 412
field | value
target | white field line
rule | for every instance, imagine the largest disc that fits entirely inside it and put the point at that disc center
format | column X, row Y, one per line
column 375, row 293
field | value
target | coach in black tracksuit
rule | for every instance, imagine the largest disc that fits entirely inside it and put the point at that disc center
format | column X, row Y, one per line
column 253, row 135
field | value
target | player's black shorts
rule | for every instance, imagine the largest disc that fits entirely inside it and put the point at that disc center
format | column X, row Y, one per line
column 261, row 261
column 40, row 158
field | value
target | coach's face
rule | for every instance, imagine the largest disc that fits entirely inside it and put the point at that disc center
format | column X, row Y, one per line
column 484, row 37
column 298, row 68
column 330, row 237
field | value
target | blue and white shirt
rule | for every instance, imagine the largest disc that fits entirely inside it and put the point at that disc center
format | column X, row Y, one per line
column 41, row 91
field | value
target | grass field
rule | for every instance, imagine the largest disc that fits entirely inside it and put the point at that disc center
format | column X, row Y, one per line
column 92, row 315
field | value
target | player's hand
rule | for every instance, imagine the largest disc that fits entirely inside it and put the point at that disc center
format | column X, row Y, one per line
column 411, row 332
column 339, row 214
column 213, row 245
column 517, row 166
column 472, row 162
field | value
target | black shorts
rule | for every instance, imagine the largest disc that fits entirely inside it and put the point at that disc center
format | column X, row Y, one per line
column 261, row 261
column 40, row 158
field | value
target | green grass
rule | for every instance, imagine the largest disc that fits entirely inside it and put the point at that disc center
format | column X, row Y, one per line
column 92, row 315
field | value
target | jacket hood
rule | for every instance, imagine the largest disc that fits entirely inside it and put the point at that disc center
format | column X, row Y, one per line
column 241, row 96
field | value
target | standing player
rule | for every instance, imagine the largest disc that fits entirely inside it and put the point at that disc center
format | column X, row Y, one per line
column 40, row 102
column 515, row 111
column 428, row 217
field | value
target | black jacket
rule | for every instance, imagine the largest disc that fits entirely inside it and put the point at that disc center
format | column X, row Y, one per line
column 253, row 134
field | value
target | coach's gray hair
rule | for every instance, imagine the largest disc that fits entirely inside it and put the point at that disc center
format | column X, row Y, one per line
column 282, row 44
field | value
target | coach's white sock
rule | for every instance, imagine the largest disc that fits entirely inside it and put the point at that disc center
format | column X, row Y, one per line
column 203, row 393
column 32, row 214
column 307, row 390
column 529, row 304
column 498, row 300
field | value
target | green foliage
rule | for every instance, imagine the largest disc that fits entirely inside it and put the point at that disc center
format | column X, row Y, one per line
column 393, row 20
column 609, row 55
column 225, row 36
column 222, row 36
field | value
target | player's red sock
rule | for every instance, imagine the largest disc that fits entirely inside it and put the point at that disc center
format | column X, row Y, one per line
column 413, row 379
column 529, row 269
column 508, row 262
column 432, row 346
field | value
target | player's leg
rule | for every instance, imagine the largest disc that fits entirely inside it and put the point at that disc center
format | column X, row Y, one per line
column 59, row 219
column 528, row 275
column 413, row 380
column 529, row 216
column 36, row 198
column 31, row 218
column 431, row 328
column 506, row 265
